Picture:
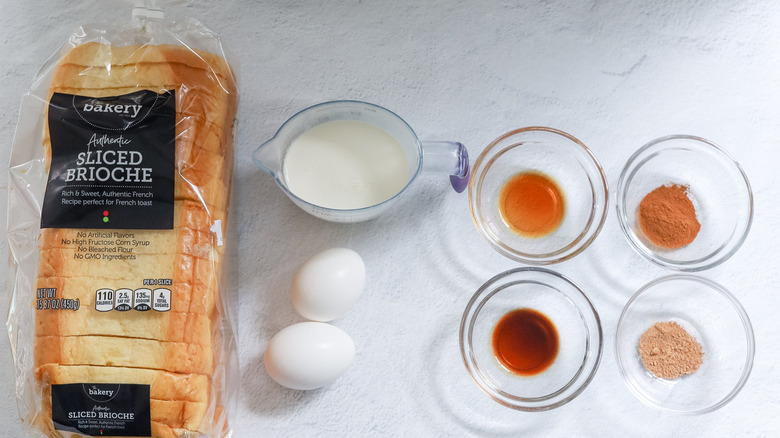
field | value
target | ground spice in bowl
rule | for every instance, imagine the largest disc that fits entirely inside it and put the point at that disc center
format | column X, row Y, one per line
column 667, row 217
column 668, row 351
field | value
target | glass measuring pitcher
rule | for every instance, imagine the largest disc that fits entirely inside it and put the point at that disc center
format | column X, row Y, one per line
column 438, row 157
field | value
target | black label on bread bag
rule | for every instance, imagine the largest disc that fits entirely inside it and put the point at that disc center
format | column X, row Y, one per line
column 112, row 161
column 102, row 409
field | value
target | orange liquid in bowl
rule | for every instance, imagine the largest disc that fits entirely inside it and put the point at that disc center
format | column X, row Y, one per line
column 532, row 204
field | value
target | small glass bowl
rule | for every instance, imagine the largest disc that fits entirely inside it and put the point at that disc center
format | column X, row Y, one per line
column 566, row 306
column 718, row 188
column 710, row 314
column 569, row 163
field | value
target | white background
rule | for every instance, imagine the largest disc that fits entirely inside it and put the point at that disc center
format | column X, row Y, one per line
column 615, row 74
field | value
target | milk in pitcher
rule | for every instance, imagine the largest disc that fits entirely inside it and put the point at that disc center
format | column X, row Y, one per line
column 345, row 164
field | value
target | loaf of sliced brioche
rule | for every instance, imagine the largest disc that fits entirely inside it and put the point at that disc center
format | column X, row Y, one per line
column 175, row 350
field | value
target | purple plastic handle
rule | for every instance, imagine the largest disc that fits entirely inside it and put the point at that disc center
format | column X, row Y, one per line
column 459, row 183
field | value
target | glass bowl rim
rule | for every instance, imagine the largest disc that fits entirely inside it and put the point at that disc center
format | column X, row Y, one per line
column 584, row 239
column 632, row 166
column 735, row 305
column 483, row 294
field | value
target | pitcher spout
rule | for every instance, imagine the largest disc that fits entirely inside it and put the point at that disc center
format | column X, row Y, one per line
column 268, row 156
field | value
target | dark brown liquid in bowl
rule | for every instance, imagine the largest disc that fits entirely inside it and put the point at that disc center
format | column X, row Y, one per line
column 525, row 342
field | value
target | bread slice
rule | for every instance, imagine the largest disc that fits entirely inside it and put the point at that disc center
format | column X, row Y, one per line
column 194, row 290
column 176, row 414
column 193, row 297
column 182, row 268
column 176, row 357
column 42, row 422
column 173, row 406
column 169, row 418
column 184, row 327
column 145, row 75
column 94, row 54
column 189, row 214
column 195, row 130
column 163, row 385
column 204, row 184
column 185, row 240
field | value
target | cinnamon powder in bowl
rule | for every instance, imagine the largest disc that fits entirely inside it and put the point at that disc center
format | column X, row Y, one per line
column 668, row 218
column 684, row 203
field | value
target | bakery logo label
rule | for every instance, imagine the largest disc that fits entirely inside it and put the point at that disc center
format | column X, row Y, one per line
column 101, row 393
column 109, row 108
column 101, row 107
column 112, row 155
column 96, row 409
column 116, row 113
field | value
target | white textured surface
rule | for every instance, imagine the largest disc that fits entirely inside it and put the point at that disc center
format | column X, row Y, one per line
column 614, row 74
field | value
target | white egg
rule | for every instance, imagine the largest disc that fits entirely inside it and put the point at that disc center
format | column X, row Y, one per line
column 328, row 284
column 308, row 355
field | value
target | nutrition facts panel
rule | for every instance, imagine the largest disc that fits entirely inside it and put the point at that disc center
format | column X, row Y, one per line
column 141, row 300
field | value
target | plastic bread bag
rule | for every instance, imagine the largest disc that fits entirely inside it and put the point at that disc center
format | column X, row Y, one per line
column 119, row 187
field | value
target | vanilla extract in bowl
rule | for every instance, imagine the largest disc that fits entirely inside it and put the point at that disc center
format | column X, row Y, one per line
column 532, row 204
column 525, row 342
column 531, row 339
